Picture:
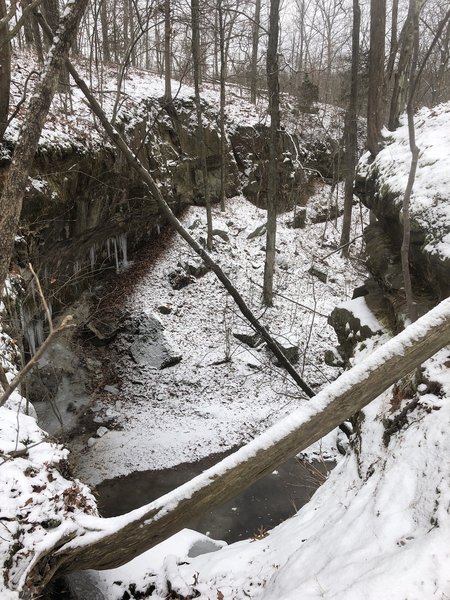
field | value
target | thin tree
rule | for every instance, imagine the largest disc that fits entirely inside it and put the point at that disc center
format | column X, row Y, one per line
column 195, row 20
column 400, row 89
column 376, row 74
column 5, row 68
column 167, row 52
column 414, row 77
column 222, row 78
column 254, row 58
column 273, row 89
column 351, row 133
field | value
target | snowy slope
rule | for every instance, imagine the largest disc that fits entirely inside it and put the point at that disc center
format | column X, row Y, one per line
column 206, row 403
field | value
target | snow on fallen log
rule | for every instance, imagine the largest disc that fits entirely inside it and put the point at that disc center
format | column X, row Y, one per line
column 108, row 543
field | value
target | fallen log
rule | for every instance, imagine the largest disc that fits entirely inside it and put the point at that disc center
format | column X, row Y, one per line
column 109, row 543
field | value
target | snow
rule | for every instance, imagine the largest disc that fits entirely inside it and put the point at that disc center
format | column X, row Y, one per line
column 358, row 307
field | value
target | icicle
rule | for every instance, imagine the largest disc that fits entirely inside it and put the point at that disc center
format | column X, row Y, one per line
column 123, row 248
column 92, row 255
column 116, row 255
column 108, row 248
column 39, row 329
column 76, row 267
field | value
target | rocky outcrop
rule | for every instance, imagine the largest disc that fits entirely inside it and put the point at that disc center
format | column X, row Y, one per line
column 85, row 210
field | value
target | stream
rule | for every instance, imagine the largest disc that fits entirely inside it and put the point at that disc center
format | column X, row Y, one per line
column 260, row 507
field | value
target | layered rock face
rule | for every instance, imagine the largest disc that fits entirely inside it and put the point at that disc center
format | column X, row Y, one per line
column 85, row 210
column 380, row 185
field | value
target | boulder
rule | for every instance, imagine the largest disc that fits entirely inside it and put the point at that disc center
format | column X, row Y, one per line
column 289, row 346
column 150, row 347
column 258, row 232
column 299, row 220
column 250, row 338
column 179, row 279
column 353, row 322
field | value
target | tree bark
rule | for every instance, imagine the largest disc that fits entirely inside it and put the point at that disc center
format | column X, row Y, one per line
column 351, row 134
column 195, row 15
column 399, row 96
column 223, row 71
column 107, row 545
column 34, row 119
column 273, row 89
column 5, row 72
column 376, row 74
column 167, row 52
column 105, row 35
column 254, row 59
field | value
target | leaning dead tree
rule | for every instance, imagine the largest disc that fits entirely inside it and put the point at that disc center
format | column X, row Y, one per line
column 109, row 543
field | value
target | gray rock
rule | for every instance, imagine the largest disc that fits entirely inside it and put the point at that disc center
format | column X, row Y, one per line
column 179, row 279
column 321, row 276
column 194, row 266
column 111, row 389
column 222, row 234
column 251, row 338
column 151, row 347
column 101, row 431
column 165, row 309
column 289, row 347
column 258, row 232
column 299, row 220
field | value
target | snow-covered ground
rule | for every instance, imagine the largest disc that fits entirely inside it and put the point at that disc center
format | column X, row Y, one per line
column 205, row 403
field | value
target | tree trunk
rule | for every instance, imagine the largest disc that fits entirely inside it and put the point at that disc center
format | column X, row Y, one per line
column 351, row 134
column 406, row 242
column 223, row 71
column 34, row 119
column 195, row 14
column 5, row 74
column 254, row 59
column 108, row 545
column 105, row 36
column 167, row 52
column 401, row 77
column 273, row 90
column 376, row 74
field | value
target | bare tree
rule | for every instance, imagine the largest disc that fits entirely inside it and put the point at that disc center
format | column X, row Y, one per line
column 273, row 89
column 195, row 15
column 167, row 52
column 351, row 132
column 376, row 74
column 413, row 79
column 254, row 58
column 5, row 68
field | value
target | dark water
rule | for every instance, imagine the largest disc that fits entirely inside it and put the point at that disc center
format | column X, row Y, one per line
column 264, row 504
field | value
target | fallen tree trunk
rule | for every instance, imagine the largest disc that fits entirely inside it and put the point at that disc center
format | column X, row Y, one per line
column 109, row 543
